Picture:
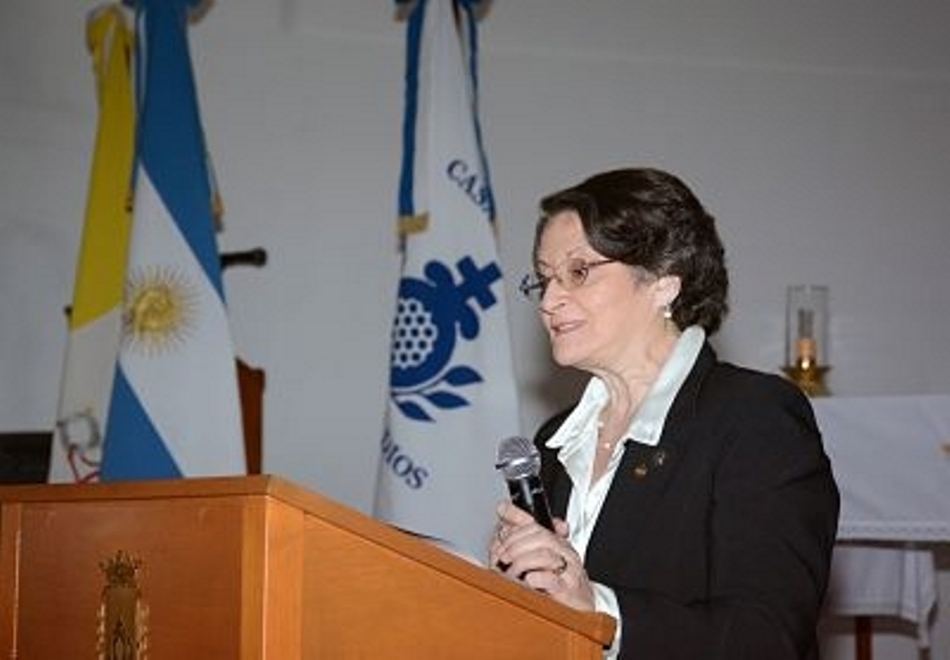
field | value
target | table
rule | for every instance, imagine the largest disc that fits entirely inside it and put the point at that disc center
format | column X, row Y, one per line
column 891, row 459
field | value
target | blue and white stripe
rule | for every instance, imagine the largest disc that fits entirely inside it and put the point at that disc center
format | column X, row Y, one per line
column 175, row 410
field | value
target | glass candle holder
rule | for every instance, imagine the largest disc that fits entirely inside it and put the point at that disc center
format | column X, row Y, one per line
column 806, row 336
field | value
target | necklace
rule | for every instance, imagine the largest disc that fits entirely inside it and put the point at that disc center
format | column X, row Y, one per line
column 605, row 444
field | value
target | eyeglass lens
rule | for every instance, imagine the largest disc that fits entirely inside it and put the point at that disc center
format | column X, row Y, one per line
column 570, row 274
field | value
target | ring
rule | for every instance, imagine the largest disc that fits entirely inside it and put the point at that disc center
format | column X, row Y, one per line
column 558, row 570
column 500, row 533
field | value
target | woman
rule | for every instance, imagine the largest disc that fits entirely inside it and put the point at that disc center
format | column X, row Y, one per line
column 693, row 498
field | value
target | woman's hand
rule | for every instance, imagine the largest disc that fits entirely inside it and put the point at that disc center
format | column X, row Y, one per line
column 544, row 560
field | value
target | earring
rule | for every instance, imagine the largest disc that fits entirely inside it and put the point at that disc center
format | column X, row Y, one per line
column 667, row 312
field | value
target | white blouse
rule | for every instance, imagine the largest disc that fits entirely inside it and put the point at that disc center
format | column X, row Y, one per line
column 577, row 441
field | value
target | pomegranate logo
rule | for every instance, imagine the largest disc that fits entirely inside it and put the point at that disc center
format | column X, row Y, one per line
column 432, row 316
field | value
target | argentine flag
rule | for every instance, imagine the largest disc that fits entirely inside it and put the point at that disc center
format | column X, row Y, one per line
column 175, row 406
column 452, row 394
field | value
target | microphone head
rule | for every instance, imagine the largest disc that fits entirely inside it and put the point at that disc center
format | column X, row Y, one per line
column 518, row 458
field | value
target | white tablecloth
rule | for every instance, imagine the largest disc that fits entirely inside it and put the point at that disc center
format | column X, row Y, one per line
column 883, row 581
column 891, row 459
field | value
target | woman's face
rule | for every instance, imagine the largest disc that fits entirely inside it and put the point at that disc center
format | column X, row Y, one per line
column 605, row 321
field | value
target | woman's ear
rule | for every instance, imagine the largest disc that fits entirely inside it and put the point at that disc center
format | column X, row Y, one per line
column 667, row 288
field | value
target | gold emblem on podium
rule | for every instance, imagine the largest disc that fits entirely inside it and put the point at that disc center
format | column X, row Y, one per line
column 123, row 617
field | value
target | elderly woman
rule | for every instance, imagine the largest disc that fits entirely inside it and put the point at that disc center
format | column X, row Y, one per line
column 693, row 499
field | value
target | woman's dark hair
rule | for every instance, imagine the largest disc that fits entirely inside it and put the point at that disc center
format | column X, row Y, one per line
column 649, row 219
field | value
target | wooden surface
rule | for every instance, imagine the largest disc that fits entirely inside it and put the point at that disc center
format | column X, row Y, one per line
column 863, row 638
column 256, row 567
column 251, row 383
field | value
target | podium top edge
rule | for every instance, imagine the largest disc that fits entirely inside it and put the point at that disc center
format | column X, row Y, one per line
column 188, row 487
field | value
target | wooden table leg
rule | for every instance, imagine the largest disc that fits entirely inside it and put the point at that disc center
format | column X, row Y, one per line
column 862, row 637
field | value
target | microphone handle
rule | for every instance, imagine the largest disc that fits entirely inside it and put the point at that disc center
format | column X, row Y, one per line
column 527, row 493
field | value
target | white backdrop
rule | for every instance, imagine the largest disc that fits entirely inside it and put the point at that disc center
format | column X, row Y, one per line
column 817, row 132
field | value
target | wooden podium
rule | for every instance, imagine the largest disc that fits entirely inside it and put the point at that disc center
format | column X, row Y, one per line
column 252, row 568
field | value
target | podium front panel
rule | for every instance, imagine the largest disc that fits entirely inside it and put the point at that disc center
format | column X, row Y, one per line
column 189, row 575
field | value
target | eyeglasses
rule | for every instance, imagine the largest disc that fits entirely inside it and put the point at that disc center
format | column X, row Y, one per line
column 570, row 274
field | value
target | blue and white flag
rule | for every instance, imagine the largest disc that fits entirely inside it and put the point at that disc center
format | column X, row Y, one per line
column 452, row 394
column 175, row 406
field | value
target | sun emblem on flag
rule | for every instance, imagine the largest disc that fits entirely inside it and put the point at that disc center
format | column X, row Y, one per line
column 160, row 310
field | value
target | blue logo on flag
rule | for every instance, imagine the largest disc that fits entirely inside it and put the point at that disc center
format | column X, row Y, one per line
column 430, row 314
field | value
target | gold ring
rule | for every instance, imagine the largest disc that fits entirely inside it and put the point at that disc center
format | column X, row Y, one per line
column 559, row 570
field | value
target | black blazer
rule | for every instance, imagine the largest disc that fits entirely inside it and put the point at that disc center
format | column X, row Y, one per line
column 718, row 540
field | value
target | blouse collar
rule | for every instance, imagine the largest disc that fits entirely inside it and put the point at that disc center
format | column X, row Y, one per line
column 646, row 427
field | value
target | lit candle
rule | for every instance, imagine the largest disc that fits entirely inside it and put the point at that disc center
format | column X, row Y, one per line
column 806, row 337
column 805, row 346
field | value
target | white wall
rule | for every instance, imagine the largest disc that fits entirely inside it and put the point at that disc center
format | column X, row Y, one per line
column 817, row 133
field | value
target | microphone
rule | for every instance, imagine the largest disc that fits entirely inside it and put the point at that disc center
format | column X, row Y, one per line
column 520, row 464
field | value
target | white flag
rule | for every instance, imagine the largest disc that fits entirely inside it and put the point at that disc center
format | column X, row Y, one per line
column 452, row 394
column 94, row 317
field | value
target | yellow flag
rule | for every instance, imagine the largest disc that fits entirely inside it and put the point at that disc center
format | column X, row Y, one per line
column 95, row 313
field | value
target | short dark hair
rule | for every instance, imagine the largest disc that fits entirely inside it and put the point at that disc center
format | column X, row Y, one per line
column 649, row 219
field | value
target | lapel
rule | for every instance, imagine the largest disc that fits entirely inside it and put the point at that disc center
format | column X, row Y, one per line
column 645, row 473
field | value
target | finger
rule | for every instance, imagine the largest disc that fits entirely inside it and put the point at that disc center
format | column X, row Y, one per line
column 501, row 531
column 545, row 580
column 512, row 515
column 531, row 554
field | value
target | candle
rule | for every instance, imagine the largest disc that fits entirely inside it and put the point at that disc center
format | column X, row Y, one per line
column 806, row 326
column 806, row 337
column 805, row 345
column 806, row 351
column 805, row 322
